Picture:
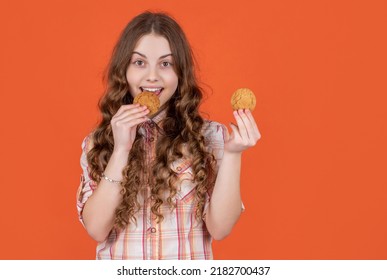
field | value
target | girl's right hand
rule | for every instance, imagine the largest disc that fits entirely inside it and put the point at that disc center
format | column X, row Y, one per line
column 124, row 124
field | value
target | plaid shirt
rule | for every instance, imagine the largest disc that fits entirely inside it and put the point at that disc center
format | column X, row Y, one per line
column 180, row 235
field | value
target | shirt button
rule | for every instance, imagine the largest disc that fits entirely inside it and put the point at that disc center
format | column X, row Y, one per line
column 178, row 168
column 153, row 230
column 152, row 139
column 152, row 125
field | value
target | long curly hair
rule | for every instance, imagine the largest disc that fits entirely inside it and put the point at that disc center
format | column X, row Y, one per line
column 181, row 126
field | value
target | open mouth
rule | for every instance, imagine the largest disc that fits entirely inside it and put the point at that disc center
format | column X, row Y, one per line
column 154, row 90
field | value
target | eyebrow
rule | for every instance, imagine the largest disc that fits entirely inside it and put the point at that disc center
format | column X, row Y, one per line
column 161, row 57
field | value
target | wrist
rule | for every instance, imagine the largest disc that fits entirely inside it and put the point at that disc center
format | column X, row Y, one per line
column 120, row 153
column 118, row 182
column 119, row 158
column 232, row 154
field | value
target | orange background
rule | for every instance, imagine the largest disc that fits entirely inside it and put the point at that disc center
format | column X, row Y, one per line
column 314, row 187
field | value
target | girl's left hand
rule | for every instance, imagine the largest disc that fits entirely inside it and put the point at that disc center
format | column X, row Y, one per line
column 244, row 135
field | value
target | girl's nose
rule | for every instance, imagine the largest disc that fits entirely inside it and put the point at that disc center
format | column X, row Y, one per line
column 152, row 75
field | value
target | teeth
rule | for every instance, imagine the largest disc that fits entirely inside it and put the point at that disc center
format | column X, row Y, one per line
column 151, row 89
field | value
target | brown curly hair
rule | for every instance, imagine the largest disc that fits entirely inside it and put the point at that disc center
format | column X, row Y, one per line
column 182, row 124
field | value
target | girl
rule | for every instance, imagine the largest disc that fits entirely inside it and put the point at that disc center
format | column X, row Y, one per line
column 159, row 187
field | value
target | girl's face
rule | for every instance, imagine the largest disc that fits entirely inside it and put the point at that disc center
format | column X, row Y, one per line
column 151, row 68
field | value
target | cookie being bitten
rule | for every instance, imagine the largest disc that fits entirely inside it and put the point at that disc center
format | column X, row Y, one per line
column 149, row 99
column 243, row 98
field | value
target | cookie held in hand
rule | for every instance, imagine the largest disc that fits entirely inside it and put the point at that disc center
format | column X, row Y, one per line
column 243, row 98
column 148, row 99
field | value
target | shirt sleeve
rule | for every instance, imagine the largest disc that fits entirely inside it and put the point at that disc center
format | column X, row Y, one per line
column 86, row 185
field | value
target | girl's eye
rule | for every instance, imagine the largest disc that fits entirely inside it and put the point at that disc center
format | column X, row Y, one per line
column 166, row 63
column 139, row 63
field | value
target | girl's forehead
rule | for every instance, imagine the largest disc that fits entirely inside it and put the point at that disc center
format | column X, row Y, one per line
column 152, row 45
